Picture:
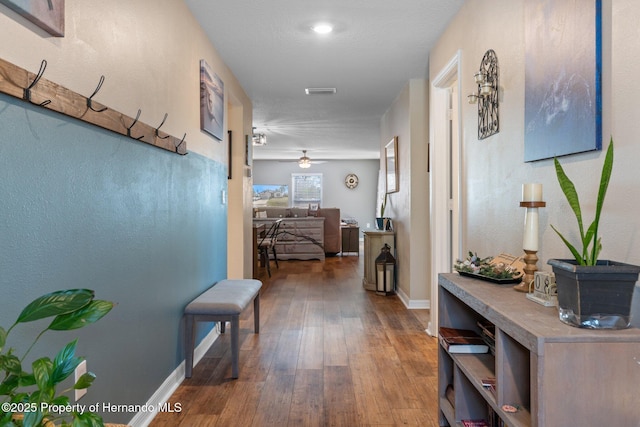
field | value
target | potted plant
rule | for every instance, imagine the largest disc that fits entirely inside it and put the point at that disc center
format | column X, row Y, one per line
column 592, row 293
column 30, row 398
column 381, row 224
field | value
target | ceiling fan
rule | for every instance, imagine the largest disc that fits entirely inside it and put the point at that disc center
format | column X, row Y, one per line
column 305, row 162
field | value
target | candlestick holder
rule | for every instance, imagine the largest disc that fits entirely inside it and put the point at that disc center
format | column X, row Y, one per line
column 530, row 244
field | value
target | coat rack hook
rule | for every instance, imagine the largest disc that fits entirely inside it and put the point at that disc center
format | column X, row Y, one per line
column 180, row 143
column 90, row 99
column 133, row 124
column 158, row 128
column 27, row 92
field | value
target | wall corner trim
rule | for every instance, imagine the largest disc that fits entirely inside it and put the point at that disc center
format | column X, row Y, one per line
column 415, row 304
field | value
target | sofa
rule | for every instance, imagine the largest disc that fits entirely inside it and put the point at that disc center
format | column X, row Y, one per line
column 331, row 239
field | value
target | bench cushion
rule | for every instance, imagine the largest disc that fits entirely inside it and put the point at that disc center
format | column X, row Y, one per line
column 225, row 297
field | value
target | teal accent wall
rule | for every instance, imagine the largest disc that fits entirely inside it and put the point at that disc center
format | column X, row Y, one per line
column 145, row 228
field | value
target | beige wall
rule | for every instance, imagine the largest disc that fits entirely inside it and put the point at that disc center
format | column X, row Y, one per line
column 240, row 234
column 157, row 74
column 407, row 119
column 494, row 170
column 419, row 256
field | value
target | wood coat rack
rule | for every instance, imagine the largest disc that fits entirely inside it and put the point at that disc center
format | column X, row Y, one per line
column 22, row 84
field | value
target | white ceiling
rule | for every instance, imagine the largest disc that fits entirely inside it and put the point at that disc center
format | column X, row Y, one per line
column 375, row 48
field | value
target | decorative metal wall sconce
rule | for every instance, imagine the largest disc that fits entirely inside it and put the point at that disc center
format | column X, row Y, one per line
column 487, row 96
column 258, row 139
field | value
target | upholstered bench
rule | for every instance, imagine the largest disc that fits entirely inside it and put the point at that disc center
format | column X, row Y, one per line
column 223, row 302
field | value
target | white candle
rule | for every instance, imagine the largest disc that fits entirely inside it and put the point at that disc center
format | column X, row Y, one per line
column 531, row 192
column 530, row 241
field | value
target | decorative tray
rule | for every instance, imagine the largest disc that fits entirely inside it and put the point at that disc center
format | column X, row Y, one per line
column 517, row 279
column 515, row 264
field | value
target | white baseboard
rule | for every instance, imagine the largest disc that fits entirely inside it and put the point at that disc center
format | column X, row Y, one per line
column 430, row 330
column 173, row 381
column 413, row 304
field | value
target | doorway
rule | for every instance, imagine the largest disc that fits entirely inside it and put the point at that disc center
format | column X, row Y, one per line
column 445, row 178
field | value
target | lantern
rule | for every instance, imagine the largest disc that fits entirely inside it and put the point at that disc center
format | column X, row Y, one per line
column 385, row 271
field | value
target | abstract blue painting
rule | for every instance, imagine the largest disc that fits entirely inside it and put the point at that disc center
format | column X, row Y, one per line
column 563, row 65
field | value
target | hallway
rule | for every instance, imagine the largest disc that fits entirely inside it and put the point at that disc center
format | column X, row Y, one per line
column 329, row 353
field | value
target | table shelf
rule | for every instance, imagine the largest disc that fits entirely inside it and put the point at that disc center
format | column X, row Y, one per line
column 555, row 374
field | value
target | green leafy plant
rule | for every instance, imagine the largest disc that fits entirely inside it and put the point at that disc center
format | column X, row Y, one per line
column 30, row 399
column 591, row 244
column 383, row 205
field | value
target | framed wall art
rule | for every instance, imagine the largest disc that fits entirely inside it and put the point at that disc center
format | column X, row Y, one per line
column 391, row 164
column 211, row 101
column 563, row 66
column 48, row 15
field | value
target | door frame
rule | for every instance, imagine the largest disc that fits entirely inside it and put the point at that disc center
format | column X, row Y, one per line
column 439, row 117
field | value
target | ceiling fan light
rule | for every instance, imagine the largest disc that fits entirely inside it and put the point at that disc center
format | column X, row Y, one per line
column 304, row 161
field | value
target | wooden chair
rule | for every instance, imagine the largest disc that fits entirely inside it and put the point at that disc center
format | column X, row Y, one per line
column 269, row 242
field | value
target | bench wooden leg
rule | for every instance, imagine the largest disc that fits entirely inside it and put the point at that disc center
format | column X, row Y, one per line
column 189, row 340
column 235, row 345
column 256, row 314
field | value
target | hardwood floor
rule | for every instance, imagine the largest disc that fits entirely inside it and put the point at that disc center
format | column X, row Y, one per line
column 329, row 353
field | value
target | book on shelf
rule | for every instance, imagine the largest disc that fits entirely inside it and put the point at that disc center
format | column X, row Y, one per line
column 489, row 384
column 462, row 341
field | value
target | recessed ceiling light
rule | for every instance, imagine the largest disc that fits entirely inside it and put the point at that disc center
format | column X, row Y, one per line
column 322, row 28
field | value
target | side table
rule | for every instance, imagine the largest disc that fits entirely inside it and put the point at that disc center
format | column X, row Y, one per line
column 350, row 239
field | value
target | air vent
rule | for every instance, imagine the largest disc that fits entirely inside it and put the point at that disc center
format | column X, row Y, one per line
column 320, row 90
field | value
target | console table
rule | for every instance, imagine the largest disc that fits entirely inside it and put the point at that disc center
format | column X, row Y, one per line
column 555, row 374
column 373, row 243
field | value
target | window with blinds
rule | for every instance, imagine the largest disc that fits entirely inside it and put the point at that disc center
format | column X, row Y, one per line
column 306, row 190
